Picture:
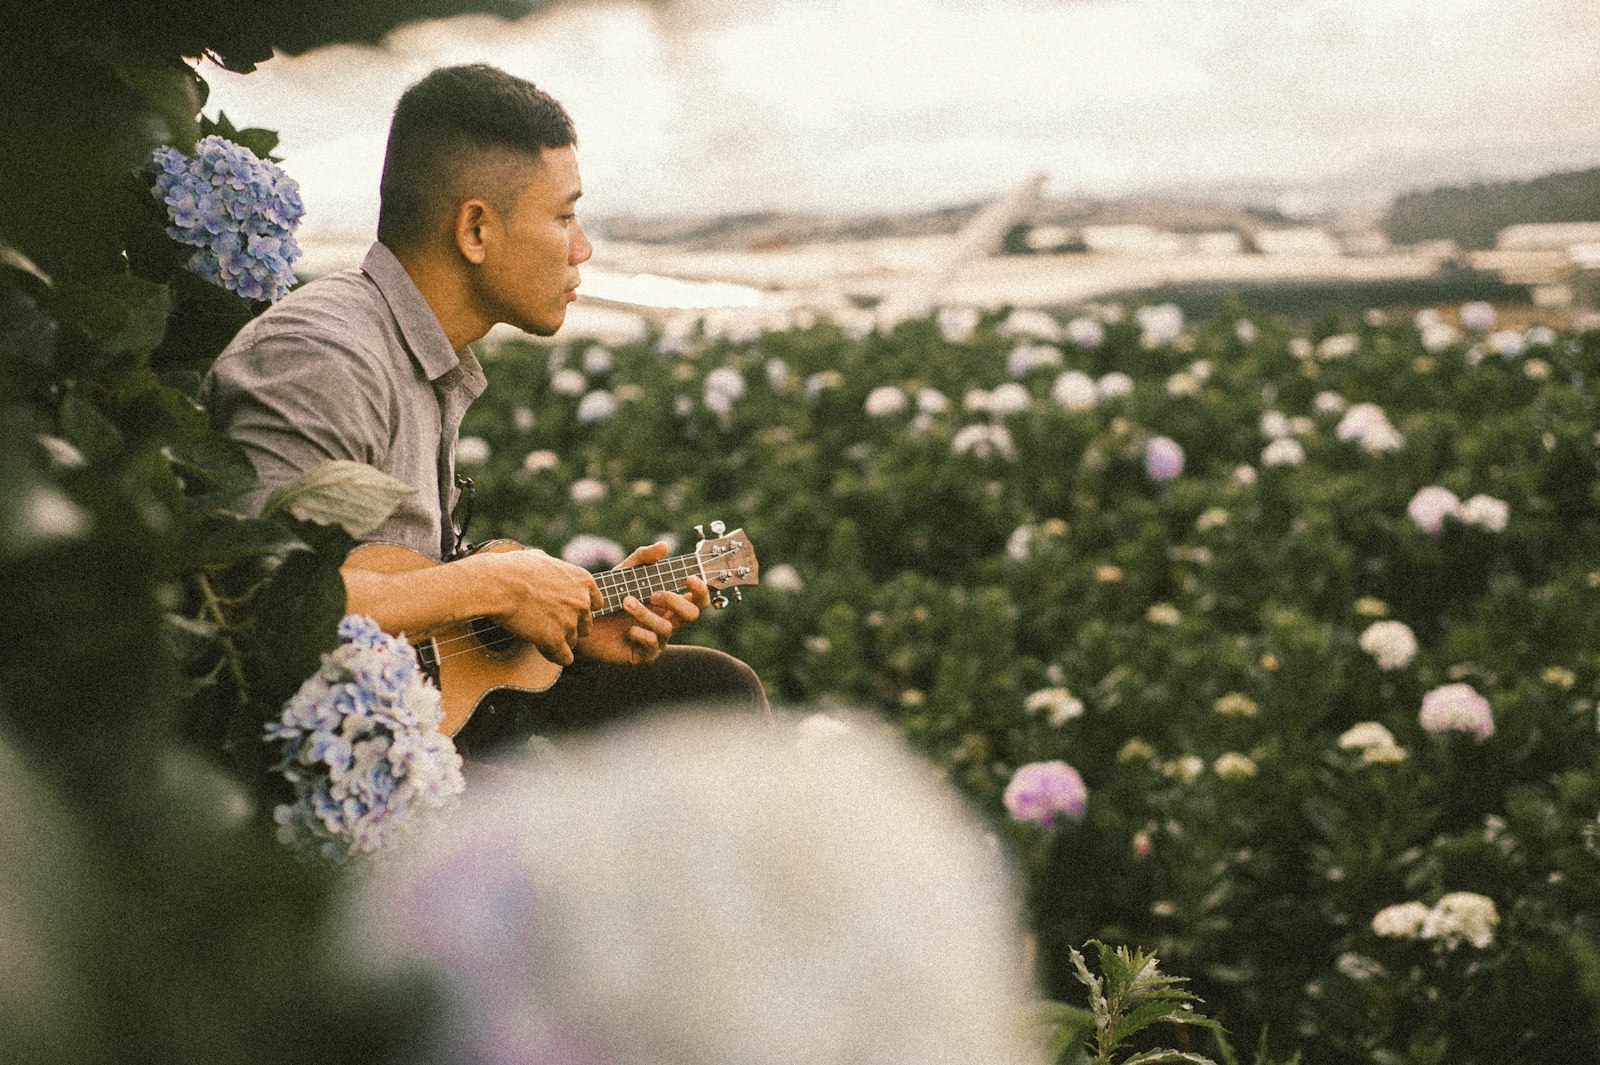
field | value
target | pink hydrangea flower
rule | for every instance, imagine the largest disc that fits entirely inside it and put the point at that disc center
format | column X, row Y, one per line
column 1040, row 790
column 1163, row 459
column 1457, row 708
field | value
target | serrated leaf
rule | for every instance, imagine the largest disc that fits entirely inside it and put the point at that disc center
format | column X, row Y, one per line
column 1157, row 1057
column 353, row 495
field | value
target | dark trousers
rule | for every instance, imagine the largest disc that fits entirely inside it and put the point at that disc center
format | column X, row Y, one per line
column 590, row 695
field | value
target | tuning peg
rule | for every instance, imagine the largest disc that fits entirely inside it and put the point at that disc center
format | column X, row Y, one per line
column 719, row 601
column 700, row 531
column 738, row 595
column 718, row 528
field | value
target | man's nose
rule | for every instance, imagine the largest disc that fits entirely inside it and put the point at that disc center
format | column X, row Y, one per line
column 581, row 248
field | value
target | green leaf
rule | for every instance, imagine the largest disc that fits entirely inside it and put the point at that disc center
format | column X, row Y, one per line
column 15, row 260
column 1156, row 1057
column 168, row 86
column 223, row 541
column 260, row 141
column 121, row 314
column 86, row 427
column 352, row 495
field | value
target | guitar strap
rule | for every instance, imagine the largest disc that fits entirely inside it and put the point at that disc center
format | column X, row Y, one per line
column 457, row 520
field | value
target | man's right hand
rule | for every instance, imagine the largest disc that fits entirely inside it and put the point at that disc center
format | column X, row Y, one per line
column 544, row 600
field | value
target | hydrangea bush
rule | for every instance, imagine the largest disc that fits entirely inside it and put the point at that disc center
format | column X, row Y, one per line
column 361, row 747
column 1299, row 679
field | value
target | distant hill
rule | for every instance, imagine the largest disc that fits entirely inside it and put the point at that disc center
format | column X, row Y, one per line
column 1473, row 216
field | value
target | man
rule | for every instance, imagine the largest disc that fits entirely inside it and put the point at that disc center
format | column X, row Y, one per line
column 477, row 226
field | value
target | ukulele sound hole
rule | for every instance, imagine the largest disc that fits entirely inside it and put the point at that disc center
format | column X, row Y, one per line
column 494, row 641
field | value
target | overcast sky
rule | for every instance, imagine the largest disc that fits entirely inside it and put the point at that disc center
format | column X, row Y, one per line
column 702, row 106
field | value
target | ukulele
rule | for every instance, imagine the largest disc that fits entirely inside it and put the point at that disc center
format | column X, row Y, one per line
column 470, row 660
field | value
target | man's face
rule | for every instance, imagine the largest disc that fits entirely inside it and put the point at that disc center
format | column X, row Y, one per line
column 530, row 270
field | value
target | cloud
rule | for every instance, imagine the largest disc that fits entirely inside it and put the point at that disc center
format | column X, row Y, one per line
column 712, row 105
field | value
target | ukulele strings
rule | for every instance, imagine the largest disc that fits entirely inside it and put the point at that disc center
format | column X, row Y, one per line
column 611, row 581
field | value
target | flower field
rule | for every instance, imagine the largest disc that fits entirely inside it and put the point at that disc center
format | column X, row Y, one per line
column 1267, row 646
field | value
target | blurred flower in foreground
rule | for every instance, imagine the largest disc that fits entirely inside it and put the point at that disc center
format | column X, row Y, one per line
column 1340, row 346
column 1114, row 385
column 540, row 461
column 1028, row 357
column 238, row 211
column 1039, row 791
column 568, row 382
column 1457, row 708
column 783, row 578
column 1431, row 505
column 588, row 490
column 1163, row 459
column 1058, row 705
column 1235, row 704
column 1009, row 398
column 704, row 889
column 1163, row 614
column 1027, row 322
column 1391, row 643
column 593, row 552
column 361, row 746
column 1375, row 742
column 956, row 324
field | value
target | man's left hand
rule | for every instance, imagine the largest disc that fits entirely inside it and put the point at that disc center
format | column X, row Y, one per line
column 640, row 633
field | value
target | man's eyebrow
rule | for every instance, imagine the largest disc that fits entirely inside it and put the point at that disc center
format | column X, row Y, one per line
column 572, row 197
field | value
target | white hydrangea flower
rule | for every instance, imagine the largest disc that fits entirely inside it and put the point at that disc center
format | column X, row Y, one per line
column 1114, row 385
column 1211, row 518
column 1028, row 357
column 885, row 400
column 568, row 382
column 472, row 451
column 1086, row 332
column 1234, row 766
column 976, row 400
column 1160, row 324
column 592, row 552
column 782, row 578
column 1009, row 398
column 598, row 360
column 1285, row 452
column 983, row 441
column 1274, row 425
column 932, row 401
column 1163, row 614
column 1462, row 917
column 725, row 381
column 1245, row 475
column 1391, row 643
column 1027, row 322
column 1183, row 384
column 596, row 406
column 1431, row 505
column 777, row 372
column 1486, row 512
column 1058, row 705
column 1437, row 337
column 1301, row 348
column 541, row 460
column 1245, row 331
column 1401, row 921
column 957, row 324
column 1328, row 403
column 1507, row 343
column 1477, row 315
column 1375, row 742
column 1339, row 346
column 1075, row 390
column 587, row 490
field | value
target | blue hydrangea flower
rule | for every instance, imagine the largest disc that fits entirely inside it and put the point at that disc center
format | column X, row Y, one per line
column 361, row 746
column 238, row 212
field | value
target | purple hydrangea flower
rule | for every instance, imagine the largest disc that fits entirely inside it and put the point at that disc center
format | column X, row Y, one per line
column 361, row 746
column 239, row 213
column 1163, row 459
column 1040, row 790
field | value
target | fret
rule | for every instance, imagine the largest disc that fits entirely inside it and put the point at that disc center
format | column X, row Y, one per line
column 668, row 575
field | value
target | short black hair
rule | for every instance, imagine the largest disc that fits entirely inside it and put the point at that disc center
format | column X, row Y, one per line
column 454, row 117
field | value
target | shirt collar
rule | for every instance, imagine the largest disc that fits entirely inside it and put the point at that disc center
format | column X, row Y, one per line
column 423, row 334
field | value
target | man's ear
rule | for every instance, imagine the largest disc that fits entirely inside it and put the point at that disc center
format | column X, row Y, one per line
column 472, row 220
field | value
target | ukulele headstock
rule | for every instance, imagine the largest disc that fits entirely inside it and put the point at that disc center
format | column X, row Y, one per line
column 727, row 560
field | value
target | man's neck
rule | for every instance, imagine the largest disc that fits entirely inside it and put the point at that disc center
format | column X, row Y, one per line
column 445, row 291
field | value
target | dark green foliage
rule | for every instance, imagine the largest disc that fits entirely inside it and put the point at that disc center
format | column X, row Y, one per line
column 1473, row 216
